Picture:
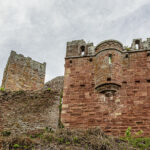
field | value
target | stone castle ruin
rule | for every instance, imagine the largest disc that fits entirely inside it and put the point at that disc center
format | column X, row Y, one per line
column 107, row 86
column 26, row 104
column 23, row 73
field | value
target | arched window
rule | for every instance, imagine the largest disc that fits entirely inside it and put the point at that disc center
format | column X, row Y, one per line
column 82, row 48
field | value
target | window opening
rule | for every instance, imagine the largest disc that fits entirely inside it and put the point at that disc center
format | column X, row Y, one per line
column 82, row 50
column 108, row 79
column 90, row 59
column 82, row 85
column 148, row 53
column 137, row 81
column 148, row 80
column 137, row 44
column 127, row 55
column 124, row 82
column 110, row 59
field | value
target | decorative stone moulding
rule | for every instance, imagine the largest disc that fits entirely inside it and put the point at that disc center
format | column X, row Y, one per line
column 108, row 89
column 109, row 44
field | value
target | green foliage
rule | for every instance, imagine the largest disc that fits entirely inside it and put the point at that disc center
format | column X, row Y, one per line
column 93, row 139
column 6, row 133
column 60, row 124
column 61, row 94
column 68, row 143
column 60, row 140
column 127, row 48
column 128, row 133
column 16, row 145
column 49, row 138
column 38, row 135
column 19, row 92
column 75, row 139
column 2, row 89
column 49, row 129
column 136, row 141
column 49, row 89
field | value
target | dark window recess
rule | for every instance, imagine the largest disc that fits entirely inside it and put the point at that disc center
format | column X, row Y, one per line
column 70, row 61
column 82, row 85
column 127, row 56
column 124, row 82
column 93, row 85
column 82, row 50
column 108, row 79
column 137, row 81
column 72, row 85
column 107, row 131
column 139, row 122
column 148, row 53
column 148, row 80
column 90, row 59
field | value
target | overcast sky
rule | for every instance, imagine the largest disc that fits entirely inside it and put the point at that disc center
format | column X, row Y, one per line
column 40, row 28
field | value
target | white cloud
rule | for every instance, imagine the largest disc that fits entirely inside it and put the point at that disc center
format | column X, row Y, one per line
column 41, row 28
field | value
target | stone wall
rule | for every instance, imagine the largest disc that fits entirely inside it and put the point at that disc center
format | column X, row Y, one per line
column 56, row 84
column 119, row 103
column 27, row 111
column 23, row 73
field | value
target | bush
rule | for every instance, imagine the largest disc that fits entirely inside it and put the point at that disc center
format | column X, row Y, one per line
column 16, row 145
column 6, row 133
column 136, row 141
column 2, row 89
column 49, row 89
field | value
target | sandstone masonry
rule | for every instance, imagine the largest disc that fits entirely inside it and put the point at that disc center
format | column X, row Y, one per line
column 55, row 84
column 107, row 85
column 23, row 73
column 27, row 111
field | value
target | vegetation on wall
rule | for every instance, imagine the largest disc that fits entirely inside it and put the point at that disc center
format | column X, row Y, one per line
column 135, row 140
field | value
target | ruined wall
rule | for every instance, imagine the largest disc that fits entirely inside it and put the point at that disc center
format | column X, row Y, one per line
column 85, row 106
column 56, row 84
column 23, row 73
column 27, row 111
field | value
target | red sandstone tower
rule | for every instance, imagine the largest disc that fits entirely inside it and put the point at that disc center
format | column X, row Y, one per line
column 107, row 86
column 23, row 73
column 108, row 67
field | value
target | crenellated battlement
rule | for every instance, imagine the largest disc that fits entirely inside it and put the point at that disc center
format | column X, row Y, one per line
column 79, row 48
column 108, row 86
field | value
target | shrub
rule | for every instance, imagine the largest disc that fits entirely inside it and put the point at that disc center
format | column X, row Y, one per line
column 127, row 48
column 6, row 133
column 136, row 141
column 2, row 89
column 16, row 145
column 49, row 89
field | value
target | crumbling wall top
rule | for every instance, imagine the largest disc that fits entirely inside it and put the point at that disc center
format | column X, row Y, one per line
column 138, row 44
column 26, row 61
column 79, row 48
column 23, row 73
